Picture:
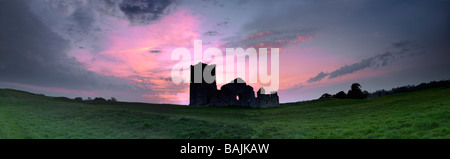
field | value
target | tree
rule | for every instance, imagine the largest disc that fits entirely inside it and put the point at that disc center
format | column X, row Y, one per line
column 113, row 99
column 340, row 95
column 355, row 92
column 326, row 95
column 78, row 99
column 365, row 94
column 356, row 87
column 99, row 100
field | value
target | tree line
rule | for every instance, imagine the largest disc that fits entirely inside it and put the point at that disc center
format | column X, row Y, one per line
column 356, row 93
column 96, row 100
column 411, row 88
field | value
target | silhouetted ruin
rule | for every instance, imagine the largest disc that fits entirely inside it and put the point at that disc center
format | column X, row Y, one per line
column 236, row 93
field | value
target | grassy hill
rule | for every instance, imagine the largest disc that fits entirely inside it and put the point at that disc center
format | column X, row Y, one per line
column 420, row 114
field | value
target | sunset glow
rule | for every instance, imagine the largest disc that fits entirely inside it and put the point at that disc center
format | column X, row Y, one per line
column 106, row 51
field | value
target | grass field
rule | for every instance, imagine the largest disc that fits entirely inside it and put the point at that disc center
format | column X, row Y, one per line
column 421, row 114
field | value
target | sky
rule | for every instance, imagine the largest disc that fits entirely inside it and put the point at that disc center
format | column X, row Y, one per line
column 123, row 48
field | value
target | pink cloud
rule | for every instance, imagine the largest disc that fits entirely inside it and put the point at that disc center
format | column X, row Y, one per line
column 141, row 54
column 260, row 34
column 129, row 48
column 303, row 38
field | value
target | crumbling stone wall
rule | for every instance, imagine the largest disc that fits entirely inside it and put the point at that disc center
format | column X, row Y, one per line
column 236, row 93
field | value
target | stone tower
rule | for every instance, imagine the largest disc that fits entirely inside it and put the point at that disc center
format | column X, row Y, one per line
column 202, row 94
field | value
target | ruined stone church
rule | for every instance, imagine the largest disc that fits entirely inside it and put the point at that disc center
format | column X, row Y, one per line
column 236, row 93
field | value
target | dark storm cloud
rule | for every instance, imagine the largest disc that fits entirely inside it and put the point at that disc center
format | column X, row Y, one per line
column 271, row 38
column 144, row 11
column 365, row 63
column 397, row 51
column 168, row 79
column 223, row 23
column 107, row 7
column 413, row 19
column 31, row 53
column 319, row 77
column 402, row 44
column 84, row 19
column 155, row 51
column 212, row 33
column 424, row 22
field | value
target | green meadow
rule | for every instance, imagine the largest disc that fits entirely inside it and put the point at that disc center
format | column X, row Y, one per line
column 420, row 114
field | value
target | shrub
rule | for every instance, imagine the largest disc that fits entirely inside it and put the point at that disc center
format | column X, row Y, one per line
column 78, row 99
